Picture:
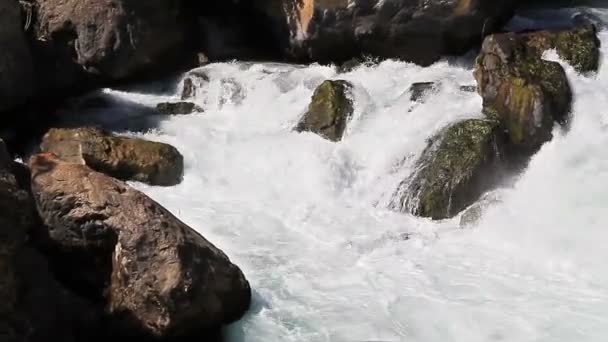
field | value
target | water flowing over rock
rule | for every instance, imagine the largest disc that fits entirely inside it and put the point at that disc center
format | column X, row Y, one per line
column 16, row 68
column 459, row 165
column 521, row 90
column 578, row 46
column 329, row 111
column 155, row 276
column 121, row 157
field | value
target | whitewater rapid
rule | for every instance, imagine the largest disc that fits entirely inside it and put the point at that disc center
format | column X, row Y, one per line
column 307, row 219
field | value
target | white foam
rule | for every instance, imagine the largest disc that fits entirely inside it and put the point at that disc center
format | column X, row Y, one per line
column 306, row 219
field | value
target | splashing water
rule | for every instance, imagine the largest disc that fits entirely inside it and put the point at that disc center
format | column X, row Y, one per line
column 306, row 219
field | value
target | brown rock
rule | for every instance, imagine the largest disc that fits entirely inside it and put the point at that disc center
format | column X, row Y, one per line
column 121, row 157
column 107, row 39
column 156, row 276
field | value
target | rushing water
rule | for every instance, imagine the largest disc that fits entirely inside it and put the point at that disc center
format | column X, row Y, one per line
column 306, row 219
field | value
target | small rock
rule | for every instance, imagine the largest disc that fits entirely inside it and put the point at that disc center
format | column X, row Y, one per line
column 178, row 108
column 458, row 166
column 154, row 275
column 420, row 90
column 193, row 81
column 121, row 157
column 329, row 111
column 468, row 88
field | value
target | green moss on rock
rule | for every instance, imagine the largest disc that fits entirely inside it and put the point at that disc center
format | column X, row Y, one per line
column 329, row 111
column 578, row 46
column 453, row 171
column 521, row 90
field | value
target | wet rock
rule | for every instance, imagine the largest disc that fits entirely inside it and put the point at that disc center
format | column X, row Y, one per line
column 193, row 82
column 420, row 90
column 16, row 68
column 473, row 214
column 121, row 157
column 524, row 92
column 350, row 65
column 578, row 46
column 177, row 108
column 329, row 111
column 459, row 165
column 155, row 276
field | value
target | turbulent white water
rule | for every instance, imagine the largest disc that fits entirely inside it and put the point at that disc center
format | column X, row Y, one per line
column 306, row 219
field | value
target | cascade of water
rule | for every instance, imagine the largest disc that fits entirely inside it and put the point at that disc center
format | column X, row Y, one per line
column 307, row 219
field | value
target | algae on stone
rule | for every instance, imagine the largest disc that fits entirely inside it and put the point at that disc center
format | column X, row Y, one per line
column 578, row 46
column 524, row 92
column 329, row 111
column 453, row 171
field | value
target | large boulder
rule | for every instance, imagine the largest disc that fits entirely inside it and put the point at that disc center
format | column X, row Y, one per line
column 521, row 90
column 460, row 163
column 34, row 306
column 419, row 31
column 16, row 69
column 155, row 276
column 329, row 111
column 125, row 158
column 87, row 41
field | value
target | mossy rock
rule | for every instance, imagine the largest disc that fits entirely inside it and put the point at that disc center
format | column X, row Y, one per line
column 460, row 164
column 580, row 46
column 329, row 111
column 521, row 90
column 124, row 158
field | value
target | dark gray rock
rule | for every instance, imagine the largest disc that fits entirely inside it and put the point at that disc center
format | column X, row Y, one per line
column 178, row 108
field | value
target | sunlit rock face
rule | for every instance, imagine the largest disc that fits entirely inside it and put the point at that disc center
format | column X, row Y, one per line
column 419, row 31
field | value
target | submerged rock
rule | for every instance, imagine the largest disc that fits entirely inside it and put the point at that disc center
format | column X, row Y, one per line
column 121, row 157
column 521, row 90
column 460, row 163
column 329, row 111
column 473, row 214
column 154, row 275
column 420, row 90
column 177, row 108
column 578, row 46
